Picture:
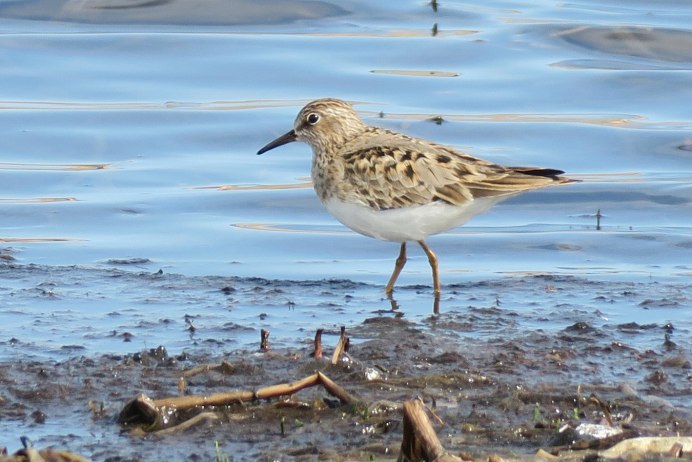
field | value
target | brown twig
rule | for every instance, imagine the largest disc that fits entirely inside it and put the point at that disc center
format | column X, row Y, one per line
column 264, row 340
column 31, row 455
column 436, row 417
column 287, row 388
column 420, row 441
column 181, row 385
column 335, row 390
column 317, row 354
column 143, row 409
column 204, row 417
column 216, row 399
column 223, row 368
column 340, row 346
column 604, row 408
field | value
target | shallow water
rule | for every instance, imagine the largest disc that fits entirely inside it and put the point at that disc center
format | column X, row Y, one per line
column 129, row 141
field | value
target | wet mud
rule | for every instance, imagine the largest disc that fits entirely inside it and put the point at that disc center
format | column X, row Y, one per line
column 510, row 393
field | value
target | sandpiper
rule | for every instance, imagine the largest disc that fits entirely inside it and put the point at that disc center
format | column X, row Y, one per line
column 395, row 187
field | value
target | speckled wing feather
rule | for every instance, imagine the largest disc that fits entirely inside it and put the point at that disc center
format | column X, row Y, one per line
column 409, row 172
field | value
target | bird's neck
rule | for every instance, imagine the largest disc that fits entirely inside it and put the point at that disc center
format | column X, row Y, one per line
column 324, row 172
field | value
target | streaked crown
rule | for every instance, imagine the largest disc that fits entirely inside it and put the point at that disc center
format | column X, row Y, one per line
column 327, row 123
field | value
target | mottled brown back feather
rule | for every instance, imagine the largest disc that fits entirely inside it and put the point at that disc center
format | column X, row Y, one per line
column 382, row 169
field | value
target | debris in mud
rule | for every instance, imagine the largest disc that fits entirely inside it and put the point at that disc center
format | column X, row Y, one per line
column 29, row 454
column 474, row 415
column 637, row 448
column 420, row 442
column 317, row 352
column 264, row 340
column 163, row 413
column 490, row 388
column 43, row 455
column 341, row 347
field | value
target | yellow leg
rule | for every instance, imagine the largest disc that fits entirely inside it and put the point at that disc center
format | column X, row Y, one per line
column 400, row 262
column 432, row 258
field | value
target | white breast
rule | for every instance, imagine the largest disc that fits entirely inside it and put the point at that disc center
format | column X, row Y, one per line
column 410, row 223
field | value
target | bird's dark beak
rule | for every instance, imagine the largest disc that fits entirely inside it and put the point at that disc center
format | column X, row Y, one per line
column 280, row 141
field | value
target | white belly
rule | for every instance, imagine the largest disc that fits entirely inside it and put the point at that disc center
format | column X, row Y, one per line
column 407, row 224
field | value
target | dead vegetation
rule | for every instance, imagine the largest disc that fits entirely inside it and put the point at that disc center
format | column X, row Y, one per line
column 405, row 395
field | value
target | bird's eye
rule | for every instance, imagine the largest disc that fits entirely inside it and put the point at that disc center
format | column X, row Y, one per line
column 313, row 118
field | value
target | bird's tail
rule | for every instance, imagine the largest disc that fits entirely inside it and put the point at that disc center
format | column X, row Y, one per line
column 552, row 173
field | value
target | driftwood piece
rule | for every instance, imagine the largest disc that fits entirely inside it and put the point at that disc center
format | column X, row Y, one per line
column 542, row 454
column 317, row 354
column 420, row 441
column 287, row 388
column 340, row 346
column 216, row 399
column 149, row 412
column 42, row 455
column 647, row 445
column 336, row 390
column 143, row 410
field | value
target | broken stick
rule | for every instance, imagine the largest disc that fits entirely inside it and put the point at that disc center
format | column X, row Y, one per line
column 420, row 441
column 317, row 354
column 341, row 346
column 144, row 410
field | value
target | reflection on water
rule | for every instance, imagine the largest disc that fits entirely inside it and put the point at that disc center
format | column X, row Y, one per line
column 434, row 32
column 55, row 167
column 256, row 187
column 33, row 240
column 612, row 120
column 412, row 73
column 655, row 44
column 225, row 12
column 285, row 229
column 129, row 106
column 37, row 199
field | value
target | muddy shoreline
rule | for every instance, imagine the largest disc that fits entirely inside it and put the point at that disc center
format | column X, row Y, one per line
column 507, row 394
